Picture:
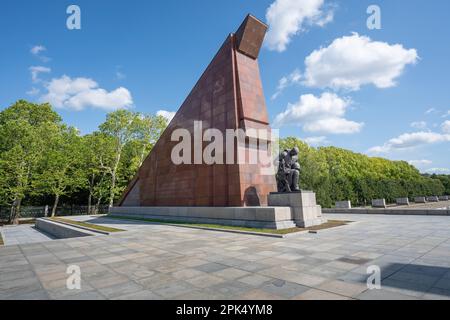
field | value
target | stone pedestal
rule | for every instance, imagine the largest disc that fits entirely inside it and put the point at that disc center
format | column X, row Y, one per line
column 420, row 200
column 343, row 204
column 402, row 201
column 379, row 203
column 304, row 209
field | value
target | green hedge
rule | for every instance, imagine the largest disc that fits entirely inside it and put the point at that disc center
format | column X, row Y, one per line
column 336, row 174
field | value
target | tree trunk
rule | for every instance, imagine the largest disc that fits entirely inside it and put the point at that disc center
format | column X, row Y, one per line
column 55, row 205
column 97, row 205
column 113, row 177
column 89, row 204
column 16, row 211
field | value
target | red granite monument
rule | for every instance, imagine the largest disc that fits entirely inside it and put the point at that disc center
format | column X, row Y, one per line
column 228, row 95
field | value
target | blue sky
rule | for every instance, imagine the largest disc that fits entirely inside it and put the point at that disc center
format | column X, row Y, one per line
column 379, row 92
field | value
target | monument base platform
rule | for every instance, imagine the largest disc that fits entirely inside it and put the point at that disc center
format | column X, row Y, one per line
column 305, row 211
column 251, row 217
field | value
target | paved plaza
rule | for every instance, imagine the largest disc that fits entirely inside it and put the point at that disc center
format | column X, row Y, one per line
column 151, row 261
column 22, row 234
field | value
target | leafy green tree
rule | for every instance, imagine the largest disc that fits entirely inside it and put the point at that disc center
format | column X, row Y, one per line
column 121, row 126
column 60, row 171
column 24, row 129
column 133, row 135
column 97, row 150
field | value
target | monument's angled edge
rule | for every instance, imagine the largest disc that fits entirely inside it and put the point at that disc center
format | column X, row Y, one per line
column 228, row 95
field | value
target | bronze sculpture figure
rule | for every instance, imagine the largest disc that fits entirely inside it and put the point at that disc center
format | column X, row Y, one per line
column 288, row 174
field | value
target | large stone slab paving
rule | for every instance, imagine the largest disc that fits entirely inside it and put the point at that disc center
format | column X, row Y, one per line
column 149, row 262
column 21, row 234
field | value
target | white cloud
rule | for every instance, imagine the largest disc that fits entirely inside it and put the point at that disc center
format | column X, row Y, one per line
column 166, row 114
column 447, row 114
column 446, row 126
column 80, row 93
column 438, row 170
column 291, row 79
column 420, row 163
column 419, row 125
column 431, row 110
column 411, row 140
column 286, row 18
column 324, row 114
column 316, row 141
column 120, row 75
column 33, row 91
column 36, row 70
column 37, row 49
column 353, row 61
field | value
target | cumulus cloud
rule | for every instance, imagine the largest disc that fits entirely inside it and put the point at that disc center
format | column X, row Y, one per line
column 446, row 126
column 420, row 163
column 287, row 18
column 291, row 79
column 80, row 93
column 36, row 70
column 316, row 141
column 33, row 91
column 411, row 140
column 353, row 61
column 438, row 170
column 37, row 49
column 324, row 114
column 37, row 52
column 166, row 114
column 419, row 125
column 431, row 111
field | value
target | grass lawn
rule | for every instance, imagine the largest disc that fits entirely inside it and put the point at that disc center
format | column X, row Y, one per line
column 329, row 224
column 86, row 225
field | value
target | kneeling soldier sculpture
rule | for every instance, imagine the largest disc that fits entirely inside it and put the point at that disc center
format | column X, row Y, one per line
column 288, row 174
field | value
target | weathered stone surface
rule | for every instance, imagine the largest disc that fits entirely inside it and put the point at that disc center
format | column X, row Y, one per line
column 59, row 230
column 256, row 217
column 402, row 201
column 433, row 199
column 228, row 95
column 379, row 203
column 343, row 204
column 420, row 200
column 412, row 253
column 443, row 198
column 304, row 208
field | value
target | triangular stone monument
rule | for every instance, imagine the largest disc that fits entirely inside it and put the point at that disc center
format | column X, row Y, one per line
column 229, row 95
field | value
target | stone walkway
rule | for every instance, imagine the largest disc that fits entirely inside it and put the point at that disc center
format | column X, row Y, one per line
column 165, row 262
column 22, row 234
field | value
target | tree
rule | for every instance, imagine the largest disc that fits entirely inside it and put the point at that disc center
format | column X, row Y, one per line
column 24, row 128
column 97, row 150
column 121, row 126
column 60, row 171
column 132, row 134
column 337, row 174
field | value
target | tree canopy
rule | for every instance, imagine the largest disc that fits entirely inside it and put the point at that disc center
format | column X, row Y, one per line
column 41, row 158
column 44, row 161
column 336, row 174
